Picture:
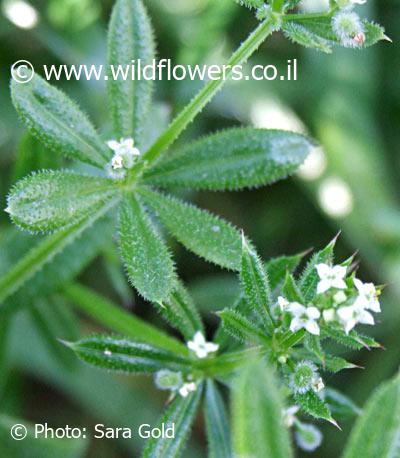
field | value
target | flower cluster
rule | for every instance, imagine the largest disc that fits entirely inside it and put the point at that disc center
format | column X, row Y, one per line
column 175, row 381
column 347, row 25
column 346, row 301
column 124, row 157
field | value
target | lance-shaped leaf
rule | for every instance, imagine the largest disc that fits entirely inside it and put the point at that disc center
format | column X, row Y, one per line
column 206, row 235
column 58, row 122
column 180, row 415
column 233, row 159
column 180, row 312
column 130, row 41
column 257, row 424
column 352, row 340
column 217, row 423
column 377, row 431
column 125, row 356
column 255, row 285
column 313, row 405
column 305, row 37
column 320, row 28
column 309, row 279
column 277, row 267
column 51, row 200
column 291, row 291
column 147, row 259
column 241, row 328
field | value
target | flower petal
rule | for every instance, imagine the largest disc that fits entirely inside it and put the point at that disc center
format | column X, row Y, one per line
column 312, row 327
column 313, row 313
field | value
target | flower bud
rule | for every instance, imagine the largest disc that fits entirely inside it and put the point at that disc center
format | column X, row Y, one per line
column 308, row 437
column 349, row 29
column 168, row 380
column 304, row 376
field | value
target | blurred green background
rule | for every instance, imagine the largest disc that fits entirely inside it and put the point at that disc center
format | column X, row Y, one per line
column 349, row 102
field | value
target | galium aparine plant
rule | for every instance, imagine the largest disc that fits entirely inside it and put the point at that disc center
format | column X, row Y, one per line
column 270, row 347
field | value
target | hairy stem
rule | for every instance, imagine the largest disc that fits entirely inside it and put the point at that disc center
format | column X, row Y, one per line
column 188, row 114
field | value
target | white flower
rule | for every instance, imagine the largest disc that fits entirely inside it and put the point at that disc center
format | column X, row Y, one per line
column 187, row 388
column 352, row 315
column 318, row 385
column 283, row 303
column 124, row 157
column 289, row 415
column 200, row 346
column 124, row 146
column 117, row 162
column 330, row 277
column 304, row 317
column 368, row 296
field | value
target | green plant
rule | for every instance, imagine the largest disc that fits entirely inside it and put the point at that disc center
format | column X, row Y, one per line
column 279, row 321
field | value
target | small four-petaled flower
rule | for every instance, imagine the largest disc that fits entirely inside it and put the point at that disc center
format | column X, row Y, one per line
column 199, row 346
column 367, row 296
column 124, row 157
column 304, row 317
column 330, row 277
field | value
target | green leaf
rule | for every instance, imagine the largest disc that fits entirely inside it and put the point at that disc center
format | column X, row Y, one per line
column 241, row 328
column 291, row 291
column 115, row 318
column 304, row 37
column 217, row 423
column 52, row 200
column 373, row 33
column 377, row 431
column 321, row 27
column 255, row 285
column 181, row 413
column 233, row 159
column 180, row 312
column 352, row 340
column 31, row 446
column 257, row 426
column 277, row 267
column 125, row 356
column 201, row 232
column 340, row 405
column 313, row 405
column 57, row 121
column 40, row 255
column 130, row 39
column 337, row 364
column 309, row 279
column 147, row 259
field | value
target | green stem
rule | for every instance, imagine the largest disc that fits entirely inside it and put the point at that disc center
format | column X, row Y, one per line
column 188, row 114
column 110, row 315
column 228, row 362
